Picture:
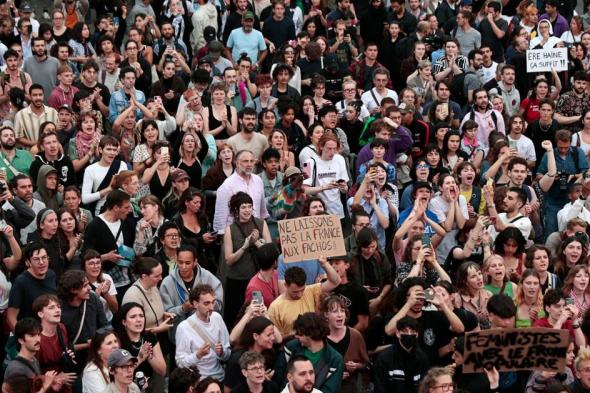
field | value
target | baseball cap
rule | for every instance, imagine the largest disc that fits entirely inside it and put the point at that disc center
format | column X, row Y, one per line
column 248, row 15
column 66, row 107
column 404, row 107
column 344, row 258
column 179, row 174
column 206, row 60
column 26, row 8
column 209, row 33
column 215, row 48
column 292, row 170
column 465, row 3
column 120, row 357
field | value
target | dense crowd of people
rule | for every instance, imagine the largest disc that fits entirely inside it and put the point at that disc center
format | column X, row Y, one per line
column 146, row 162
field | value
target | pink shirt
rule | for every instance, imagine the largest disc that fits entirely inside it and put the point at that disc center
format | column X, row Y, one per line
column 59, row 97
column 253, row 187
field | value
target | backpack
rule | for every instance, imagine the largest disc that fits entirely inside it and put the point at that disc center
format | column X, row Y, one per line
column 494, row 117
column 457, row 88
column 21, row 75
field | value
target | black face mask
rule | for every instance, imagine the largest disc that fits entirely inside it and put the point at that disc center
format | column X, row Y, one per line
column 408, row 341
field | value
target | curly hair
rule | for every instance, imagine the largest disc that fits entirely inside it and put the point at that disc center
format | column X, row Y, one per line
column 431, row 378
column 313, row 325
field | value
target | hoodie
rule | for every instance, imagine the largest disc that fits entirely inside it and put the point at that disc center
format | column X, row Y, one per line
column 174, row 292
column 205, row 16
column 51, row 200
column 551, row 42
column 63, row 165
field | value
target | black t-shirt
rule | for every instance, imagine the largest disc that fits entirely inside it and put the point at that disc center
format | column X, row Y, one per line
column 105, row 95
column 355, row 298
column 470, row 322
column 342, row 345
column 27, row 288
column 134, row 347
column 434, row 325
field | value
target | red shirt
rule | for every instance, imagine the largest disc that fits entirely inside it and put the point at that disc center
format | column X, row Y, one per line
column 270, row 290
column 544, row 322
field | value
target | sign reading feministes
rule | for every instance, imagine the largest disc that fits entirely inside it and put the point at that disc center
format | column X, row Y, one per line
column 311, row 237
column 516, row 349
column 546, row 60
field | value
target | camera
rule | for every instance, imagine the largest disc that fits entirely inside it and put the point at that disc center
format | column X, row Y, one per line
column 434, row 41
column 562, row 179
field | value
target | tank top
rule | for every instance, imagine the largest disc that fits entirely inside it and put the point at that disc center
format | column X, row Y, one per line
column 245, row 268
column 214, row 123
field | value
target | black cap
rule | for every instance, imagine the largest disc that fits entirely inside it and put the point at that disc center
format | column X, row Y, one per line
column 209, row 33
column 344, row 258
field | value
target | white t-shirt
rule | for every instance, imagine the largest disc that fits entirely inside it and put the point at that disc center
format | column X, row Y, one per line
column 113, row 292
column 93, row 176
column 524, row 224
column 580, row 143
column 327, row 172
column 114, row 228
column 486, row 74
column 373, row 102
column 525, row 147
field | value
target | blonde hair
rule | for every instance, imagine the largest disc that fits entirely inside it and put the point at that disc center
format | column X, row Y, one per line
column 583, row 356
column 197, row 145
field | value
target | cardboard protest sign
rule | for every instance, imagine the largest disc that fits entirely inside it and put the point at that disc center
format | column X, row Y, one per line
column 311, row 237
column 515, row 349
column 544, row 60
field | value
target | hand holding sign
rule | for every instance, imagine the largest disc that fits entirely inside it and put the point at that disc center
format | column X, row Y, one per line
column 311, row 237
column 515, row 349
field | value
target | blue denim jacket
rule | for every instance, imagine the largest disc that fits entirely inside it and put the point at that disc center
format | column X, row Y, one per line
column 119, row 103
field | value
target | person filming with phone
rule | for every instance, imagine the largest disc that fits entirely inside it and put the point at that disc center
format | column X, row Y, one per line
column 411, row 301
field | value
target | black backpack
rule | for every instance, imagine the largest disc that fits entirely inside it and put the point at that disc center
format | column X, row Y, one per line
column 457, row 89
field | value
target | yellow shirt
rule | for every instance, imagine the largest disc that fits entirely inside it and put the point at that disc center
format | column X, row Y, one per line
column 283, row 312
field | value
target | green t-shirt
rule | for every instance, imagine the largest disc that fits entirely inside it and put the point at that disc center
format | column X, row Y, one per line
column 314, row 357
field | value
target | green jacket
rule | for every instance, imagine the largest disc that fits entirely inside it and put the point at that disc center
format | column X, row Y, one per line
column 328, row 370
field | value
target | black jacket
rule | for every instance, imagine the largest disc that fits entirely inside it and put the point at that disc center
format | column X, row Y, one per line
column 398, row 371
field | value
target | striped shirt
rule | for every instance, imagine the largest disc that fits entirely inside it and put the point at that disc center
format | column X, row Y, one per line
column 27, row 123
column 441, row 64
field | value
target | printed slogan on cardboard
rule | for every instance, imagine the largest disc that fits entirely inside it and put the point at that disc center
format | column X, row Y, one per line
column 311, row 237
column 516, row 349
column 546, row 60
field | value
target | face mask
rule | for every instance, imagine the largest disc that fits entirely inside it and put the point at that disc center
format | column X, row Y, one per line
column 408, row 340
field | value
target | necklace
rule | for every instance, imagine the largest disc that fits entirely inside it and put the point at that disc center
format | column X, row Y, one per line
column 544, row 128
column 137, row 346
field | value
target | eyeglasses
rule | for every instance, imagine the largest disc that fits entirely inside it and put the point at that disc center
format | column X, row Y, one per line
column 585, row 370
column 445, row 387
column 256, row 369
column 94, row 263
column 127, row 367
column 422, row 166
column 172, row 235
column 349, row 90
column 44, row 258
